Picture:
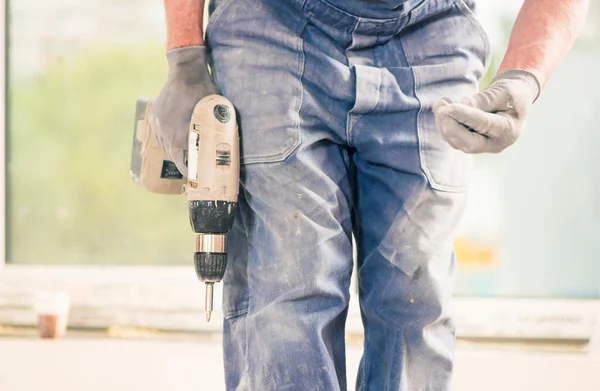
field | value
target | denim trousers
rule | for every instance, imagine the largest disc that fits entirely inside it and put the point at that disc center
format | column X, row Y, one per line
column 338, row 142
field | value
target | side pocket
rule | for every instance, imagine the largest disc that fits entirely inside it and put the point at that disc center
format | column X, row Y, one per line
column 466, row 10
column 215, row 9
column 258, row 62
column 448, row 53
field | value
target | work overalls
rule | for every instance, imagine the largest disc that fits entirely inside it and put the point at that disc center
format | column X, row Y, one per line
column 338, row 140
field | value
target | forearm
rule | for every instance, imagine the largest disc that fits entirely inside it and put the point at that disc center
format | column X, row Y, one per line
column 543, row 33
column 184, row 23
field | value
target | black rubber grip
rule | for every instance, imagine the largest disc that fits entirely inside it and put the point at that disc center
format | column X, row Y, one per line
column 210, row 267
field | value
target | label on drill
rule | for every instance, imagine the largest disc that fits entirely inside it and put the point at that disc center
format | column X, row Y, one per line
column 193, row 151
column 170, row 171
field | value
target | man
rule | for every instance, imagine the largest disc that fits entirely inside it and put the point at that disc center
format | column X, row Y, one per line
column 338, row 103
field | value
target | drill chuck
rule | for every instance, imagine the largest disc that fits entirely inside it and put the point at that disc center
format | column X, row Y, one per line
column 210, row 267
column 210, row 262
column 210, row 258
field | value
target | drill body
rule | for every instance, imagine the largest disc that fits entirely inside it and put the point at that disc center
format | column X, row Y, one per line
column 212, row 184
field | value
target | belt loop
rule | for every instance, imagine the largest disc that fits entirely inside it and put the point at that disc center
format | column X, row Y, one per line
column 418, row 4
column 407, row 18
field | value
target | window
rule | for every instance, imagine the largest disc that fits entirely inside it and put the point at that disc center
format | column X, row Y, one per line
column 533, row 217
column 75, row 71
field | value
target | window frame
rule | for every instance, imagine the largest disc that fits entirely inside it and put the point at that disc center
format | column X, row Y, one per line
column 171, row 298
column 3, row 120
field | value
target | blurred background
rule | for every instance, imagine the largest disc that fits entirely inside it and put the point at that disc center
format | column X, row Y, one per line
column 529, row 271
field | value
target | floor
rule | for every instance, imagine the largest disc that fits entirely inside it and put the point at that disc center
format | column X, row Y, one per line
column 94, row 364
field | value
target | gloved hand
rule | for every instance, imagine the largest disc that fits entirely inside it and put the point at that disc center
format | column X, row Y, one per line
column 188, row 82
column 492, row 119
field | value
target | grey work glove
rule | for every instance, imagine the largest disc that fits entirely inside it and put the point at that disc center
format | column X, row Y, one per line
column 188, row 82
column 492, row 119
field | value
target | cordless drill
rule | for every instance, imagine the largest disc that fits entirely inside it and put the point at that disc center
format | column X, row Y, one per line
column 211, row 186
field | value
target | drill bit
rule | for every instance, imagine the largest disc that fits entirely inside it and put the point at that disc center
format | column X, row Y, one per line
column 208, row 304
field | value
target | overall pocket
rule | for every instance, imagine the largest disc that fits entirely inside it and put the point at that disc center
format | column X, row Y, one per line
column 215, row 9
column 468, row 12
column 448, row 53
column 257, row 62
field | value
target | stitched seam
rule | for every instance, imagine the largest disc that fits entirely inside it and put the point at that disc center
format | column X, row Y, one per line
column 359, row 117
column 464, row 8
column 374, row 20
column 303, row 6
column 418, row 18
column 214, row 18
column 348, row 116
column 281, row 156
column 240, row 310
column 418, row 7
column 300, row 81
column 420, row 136
column 414, row 72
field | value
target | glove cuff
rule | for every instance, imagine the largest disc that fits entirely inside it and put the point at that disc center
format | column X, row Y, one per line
column 527, row 77
column 189, row 63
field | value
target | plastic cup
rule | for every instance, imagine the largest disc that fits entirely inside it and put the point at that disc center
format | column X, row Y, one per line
column 52, row 310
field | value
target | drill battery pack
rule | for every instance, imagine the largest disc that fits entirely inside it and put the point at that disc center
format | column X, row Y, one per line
column 150, row 168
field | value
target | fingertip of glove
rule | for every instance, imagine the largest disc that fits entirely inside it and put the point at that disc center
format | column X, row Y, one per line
column 178, row 157
column 445, row 125
column 438, row 104
column 467, row 101
column 183, row 170
column 181, row 167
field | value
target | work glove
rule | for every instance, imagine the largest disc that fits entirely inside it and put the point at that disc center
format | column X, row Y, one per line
column 188, row 81
column 492, row 119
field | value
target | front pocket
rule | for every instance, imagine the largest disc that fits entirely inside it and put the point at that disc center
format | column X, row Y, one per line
column 448, row 56
column 466, row 10
column 215, row 9
column 257, row 62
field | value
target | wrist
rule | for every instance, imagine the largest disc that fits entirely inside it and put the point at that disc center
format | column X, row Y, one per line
column 527, row 60
column 184, row 23
column 177, row 42
column 188, row 63
column 528, row 77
